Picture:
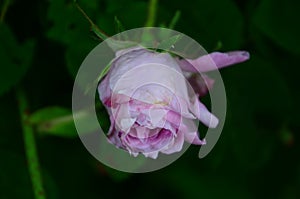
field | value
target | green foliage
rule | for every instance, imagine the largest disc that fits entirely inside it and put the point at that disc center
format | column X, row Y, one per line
column 75, row 54
column 212, row 185
column 15, row 58
column 211, row 21
column 117, row 176
column 128, row 14
column 14, row 167
column 68, row 23
column 262, row 89
column 257, row 154
column 71, row 28
column 56, row 121
column 278, row 20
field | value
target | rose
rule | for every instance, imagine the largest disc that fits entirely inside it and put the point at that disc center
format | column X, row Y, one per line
column 151, row 106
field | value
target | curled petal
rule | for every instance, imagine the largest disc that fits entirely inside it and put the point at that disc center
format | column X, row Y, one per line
column 190, row 129
column 204, row 115
column 213, row 61
column 193, row 138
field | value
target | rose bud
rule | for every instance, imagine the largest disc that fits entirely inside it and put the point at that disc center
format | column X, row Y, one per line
column 148, row 97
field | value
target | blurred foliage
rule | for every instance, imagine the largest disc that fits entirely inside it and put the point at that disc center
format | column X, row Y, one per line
column 278, row 19
column 42, row 44
column 15, row 58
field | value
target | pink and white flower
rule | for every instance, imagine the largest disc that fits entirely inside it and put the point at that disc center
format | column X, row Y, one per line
column 150, row 103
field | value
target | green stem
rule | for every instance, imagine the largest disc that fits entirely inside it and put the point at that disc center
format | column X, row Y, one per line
column 151, row 13
column 175, row 19
column 30, row 147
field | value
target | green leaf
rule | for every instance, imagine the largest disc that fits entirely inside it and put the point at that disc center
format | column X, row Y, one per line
column 58, row 121
column 54, row 121
column 48, row 113
column 15, row 58
column 279, row 21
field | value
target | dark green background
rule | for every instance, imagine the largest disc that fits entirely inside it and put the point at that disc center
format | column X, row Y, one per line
column 42, row 44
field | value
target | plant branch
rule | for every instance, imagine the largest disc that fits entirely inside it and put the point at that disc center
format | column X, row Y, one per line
column 30, row 147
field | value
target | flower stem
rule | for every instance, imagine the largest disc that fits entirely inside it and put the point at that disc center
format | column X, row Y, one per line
column 30, row 147
column 151, row 13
